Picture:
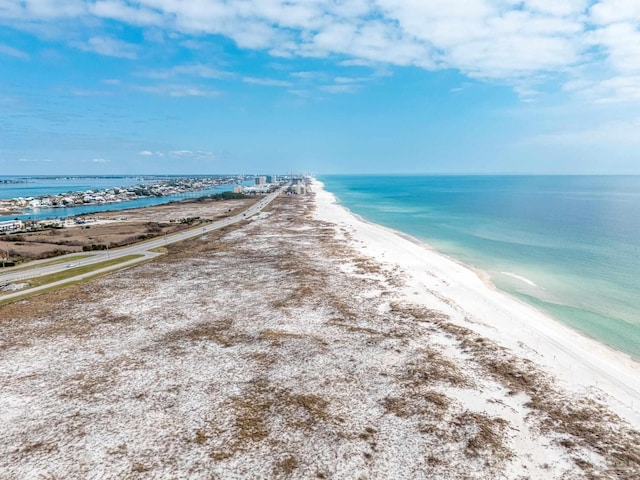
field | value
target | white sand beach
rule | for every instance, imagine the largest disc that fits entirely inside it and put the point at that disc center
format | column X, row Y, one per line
column 581, row 364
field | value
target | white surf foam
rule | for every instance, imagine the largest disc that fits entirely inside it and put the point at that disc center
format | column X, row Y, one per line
column 521, row 278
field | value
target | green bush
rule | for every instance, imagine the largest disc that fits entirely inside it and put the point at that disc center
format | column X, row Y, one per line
column 93, row 246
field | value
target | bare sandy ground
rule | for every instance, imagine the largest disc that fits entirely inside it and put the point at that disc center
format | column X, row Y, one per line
column 435, row 280
column 290, row 347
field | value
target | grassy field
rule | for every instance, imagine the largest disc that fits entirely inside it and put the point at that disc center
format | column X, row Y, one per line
column 66, row 274
column 76, row 271
column 30, row 265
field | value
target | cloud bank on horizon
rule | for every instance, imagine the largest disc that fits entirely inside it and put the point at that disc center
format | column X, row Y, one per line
column 585, row 51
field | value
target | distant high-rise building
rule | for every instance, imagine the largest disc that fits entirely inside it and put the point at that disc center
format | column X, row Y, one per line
column 261, row 180
column 297, row 189
column 272, row 178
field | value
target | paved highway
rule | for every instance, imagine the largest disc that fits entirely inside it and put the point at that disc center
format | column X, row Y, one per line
column 142, row 248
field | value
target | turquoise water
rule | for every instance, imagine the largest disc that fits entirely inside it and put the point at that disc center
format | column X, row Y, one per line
column 35, row 186
column 569, row 245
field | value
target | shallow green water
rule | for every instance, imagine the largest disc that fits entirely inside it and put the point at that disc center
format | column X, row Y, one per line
column 569, row 245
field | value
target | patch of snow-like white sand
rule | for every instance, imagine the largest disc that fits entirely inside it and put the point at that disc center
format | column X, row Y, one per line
column 580, row 364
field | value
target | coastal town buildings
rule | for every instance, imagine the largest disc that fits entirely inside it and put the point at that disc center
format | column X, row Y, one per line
column 160, row 188
column 11, row 226
column 297, row 189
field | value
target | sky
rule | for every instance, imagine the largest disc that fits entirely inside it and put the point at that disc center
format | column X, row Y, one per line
column 307, row 86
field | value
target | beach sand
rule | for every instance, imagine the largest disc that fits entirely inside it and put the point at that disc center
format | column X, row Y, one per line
column 579, row 363
column 306, row 344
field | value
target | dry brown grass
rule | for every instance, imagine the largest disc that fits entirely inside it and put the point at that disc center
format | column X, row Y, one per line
column 420, row 314
column 87, row 384
column 487, row 435
column 582, row 423
column 259, row 407
column 433, row 368
column 195, row 248
column 322, row 372
column 311, row 408
column 413, row 403
column 220, row 331
column 278, row 336
column 285, row 466
column 252, row 411
column 51, row 243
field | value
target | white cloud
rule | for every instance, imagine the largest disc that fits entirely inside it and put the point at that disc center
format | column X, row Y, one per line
column 110, row 47
column 617, row 35
column 606, row 12
column 306, row 75
column 202, row 71
column 101, row 160
column 622, row 43
column 118, row 10
column 405, row 32
column 615, row 89
column 13, row 52
column 145, row 153
column 44, row 9
column 512, row 41
column 83, row 92
column 300, row 92
column 268, row 82
column 339, row 88
column 350, row 79
column 193, row 154
column 194, row 70
column 178, row 90
column 558, row 7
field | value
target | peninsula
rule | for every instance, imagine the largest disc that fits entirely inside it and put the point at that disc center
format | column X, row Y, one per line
column 153, row 188
column 306, row 343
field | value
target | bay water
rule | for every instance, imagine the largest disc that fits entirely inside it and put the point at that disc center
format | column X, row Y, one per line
column 51, row 185
column 568, row 245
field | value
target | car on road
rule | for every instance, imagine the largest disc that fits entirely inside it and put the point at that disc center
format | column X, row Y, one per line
column 71, row 265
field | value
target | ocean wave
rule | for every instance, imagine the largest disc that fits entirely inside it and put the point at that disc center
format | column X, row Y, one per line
column 521, row 278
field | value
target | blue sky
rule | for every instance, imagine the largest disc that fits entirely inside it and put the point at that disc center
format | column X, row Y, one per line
column 342, row 86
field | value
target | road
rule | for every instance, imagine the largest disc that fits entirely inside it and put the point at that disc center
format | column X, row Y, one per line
column 143, row 248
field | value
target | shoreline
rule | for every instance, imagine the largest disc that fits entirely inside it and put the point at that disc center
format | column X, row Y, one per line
column 581, row 364
column 165, row 188
column 339, row 349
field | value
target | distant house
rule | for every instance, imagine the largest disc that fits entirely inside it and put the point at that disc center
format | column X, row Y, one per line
column 11, row 226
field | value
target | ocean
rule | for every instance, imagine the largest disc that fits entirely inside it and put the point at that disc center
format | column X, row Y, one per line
column 568, row 245
column 55, row 185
